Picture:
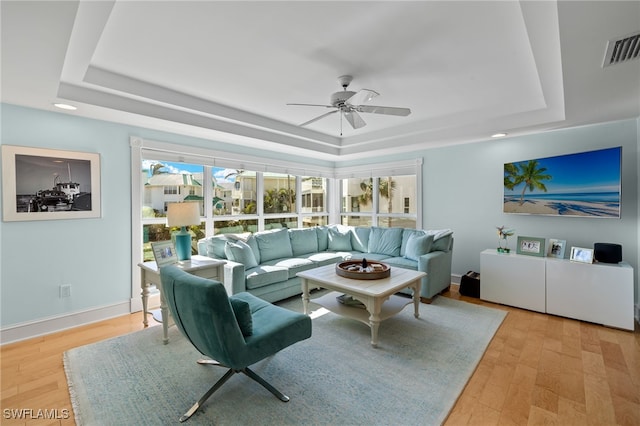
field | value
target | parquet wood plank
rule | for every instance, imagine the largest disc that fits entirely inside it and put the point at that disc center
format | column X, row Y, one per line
column 599, row 402
column 571, row 413
column 538, row 369
column 626, row 412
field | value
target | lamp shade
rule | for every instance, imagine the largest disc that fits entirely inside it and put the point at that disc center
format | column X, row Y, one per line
column 183, row 214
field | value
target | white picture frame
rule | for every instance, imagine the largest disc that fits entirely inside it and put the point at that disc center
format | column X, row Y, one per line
column 164, row 252
column 556, row 248
column 581, row 255
column 49, row 184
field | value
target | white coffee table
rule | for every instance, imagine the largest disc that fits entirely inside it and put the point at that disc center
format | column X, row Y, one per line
column 378, row 296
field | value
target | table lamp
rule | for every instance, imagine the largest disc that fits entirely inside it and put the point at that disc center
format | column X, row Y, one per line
column 183, row 215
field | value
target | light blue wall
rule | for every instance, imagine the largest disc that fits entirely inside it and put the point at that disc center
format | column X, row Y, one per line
column 91, row 255
column 462, row 190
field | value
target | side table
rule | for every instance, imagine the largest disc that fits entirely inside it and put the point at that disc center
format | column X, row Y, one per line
column 201, row 266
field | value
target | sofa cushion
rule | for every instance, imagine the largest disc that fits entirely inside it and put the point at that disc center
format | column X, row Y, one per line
column 273, row 244
column 240, row 252
column 322, row 232
column 360, row 238
column 323, row 258
column 253, row 243
column 354, row 255
column 303, row 241
column 263, row 275
column 385, row 241
column 242, row 311
column 215, row 246
column 406, row 233
column 401, row 262
column 417, row 245
column 292, row 264
column 339, row 239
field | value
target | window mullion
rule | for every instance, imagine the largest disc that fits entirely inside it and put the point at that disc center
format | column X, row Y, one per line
column 260, row 199
column 375, row 201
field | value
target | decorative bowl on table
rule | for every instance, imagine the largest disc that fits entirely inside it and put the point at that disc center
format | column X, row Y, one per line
column 363, row 269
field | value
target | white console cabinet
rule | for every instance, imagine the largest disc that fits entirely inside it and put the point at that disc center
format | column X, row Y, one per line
column 600, row 293
column 514, row 280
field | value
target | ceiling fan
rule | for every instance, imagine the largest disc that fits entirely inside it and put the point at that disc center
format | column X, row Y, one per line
column 350, row 104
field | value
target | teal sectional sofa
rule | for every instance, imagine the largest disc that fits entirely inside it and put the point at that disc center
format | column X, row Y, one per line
column 266, row 263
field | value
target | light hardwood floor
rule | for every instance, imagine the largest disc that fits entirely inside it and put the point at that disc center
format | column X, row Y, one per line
column 538, row 369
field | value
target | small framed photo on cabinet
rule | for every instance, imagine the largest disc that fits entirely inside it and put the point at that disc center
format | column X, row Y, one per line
column 582, row 255
column 531, row 246
column 556, row 248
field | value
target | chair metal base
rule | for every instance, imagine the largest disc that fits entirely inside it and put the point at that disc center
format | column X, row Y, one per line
column 248, row 372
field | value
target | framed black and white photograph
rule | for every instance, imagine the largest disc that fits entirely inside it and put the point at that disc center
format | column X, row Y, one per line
column 582, row 255
column 557, row 248
column 48, row 184
column 531, row 246
column 164, row 252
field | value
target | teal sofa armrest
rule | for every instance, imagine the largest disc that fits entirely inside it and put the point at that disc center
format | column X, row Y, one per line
column 437, row 266
column 234, row 279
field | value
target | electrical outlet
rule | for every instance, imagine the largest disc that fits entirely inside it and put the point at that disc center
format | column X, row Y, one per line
column 65, row 290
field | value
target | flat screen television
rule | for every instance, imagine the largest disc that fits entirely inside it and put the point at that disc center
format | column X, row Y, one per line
column 585, row 184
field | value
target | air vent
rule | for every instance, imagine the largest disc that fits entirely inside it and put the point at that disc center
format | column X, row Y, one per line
column 622, row 49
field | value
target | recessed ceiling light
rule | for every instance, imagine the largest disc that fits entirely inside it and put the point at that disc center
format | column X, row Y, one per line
column 499, row 135
column 65, row 106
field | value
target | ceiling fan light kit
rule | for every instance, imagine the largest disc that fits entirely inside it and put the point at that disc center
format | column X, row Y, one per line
column 350, row 103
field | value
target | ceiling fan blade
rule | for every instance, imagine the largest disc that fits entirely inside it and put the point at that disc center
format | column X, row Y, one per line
column 362, row 96
column 383, row 110
column 319, row 117
column 354, row 119
column 315, row 105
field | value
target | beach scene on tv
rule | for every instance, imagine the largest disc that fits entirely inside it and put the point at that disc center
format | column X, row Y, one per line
column 582, row 184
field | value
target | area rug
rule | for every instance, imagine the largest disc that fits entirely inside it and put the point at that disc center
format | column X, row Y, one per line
column 414, row 376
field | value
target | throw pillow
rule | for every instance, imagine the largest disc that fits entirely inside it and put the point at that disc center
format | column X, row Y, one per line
column 215, row 247
column 441, row 239
column 242, row 311
column 303, row 241
column 323, row 237
column 385, row 241
column 417, row 245
column 274, row 244
column 240, row 252
column 339, row 240
column 360, row 238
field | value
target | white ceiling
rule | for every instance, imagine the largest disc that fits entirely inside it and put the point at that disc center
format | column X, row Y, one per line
column 226, row 70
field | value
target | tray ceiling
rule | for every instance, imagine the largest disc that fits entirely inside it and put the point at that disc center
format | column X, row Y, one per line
column 226, row 70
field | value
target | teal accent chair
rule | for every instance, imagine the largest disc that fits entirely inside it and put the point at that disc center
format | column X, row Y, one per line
column 235, row 332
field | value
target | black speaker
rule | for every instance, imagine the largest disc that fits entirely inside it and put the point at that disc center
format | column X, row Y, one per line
column 607, row 252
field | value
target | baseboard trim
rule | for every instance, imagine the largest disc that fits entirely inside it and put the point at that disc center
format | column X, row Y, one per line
column 456, row 278
column 40, row 327
column 637, row 313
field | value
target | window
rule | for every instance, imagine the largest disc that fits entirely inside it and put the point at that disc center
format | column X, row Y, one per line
column 247, row 195
column 164, row 183
column 279, row 193
column 234, row 192
column 381, row 201
column 357, row 195
column 314, row 201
